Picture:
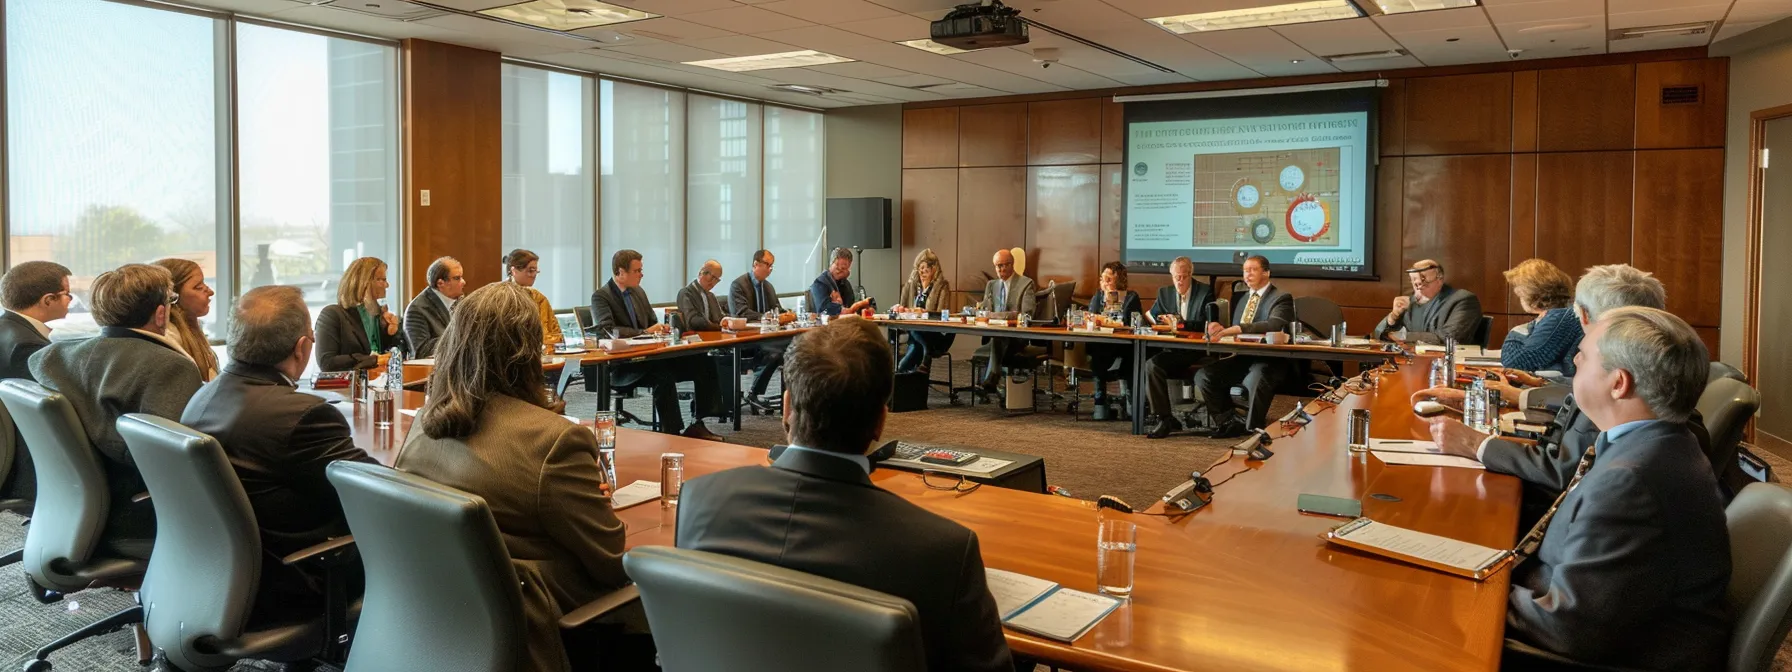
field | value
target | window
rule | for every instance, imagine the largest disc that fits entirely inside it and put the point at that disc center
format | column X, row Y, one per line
column 112, row 132
column 548, row 144
column 722, row 208
column 643, row 182
column 794, row 196
column 318, row 159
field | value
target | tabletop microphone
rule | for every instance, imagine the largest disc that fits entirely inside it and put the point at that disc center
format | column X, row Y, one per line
column 1191, row 494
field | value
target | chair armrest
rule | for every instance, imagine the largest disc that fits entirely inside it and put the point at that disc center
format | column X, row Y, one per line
column 616, row 599
column 140, row 497
column 322, row 551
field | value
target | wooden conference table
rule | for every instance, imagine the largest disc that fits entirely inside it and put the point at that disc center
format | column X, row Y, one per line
column 595, row 364
column 1242, row 584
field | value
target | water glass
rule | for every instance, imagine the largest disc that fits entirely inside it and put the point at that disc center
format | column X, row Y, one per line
column 1022, row 320
column 1439, row 377
column 1116, row 542
column 384, row 406
column 1357, row 434
column 671, row 478
column 604, row 427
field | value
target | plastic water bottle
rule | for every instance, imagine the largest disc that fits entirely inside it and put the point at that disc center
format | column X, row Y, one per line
column 395, row 371
column 1474, row 411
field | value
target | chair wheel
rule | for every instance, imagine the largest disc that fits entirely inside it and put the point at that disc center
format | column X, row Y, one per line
column 37, row 666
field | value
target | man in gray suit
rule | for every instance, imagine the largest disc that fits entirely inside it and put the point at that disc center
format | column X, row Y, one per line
column 751, row 296
column 1434, row 311
column 1009, row 292
column 131, row 367
column 1260, row 309
column 1182, row 302
column 620, row 309
column 1631, row 565
column 699, row 307
column 427, row 316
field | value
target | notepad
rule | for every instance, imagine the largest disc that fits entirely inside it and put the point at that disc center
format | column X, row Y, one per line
column 1404, row 446
column 1425, row 460
column 634, row 493
column 1044, row 608
column 1425, row 550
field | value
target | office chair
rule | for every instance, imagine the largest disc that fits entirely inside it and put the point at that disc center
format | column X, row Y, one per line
column 61, row 545
column 713, row 612
column 1483, row 331
column 204, row 573
column 1722, row 370
column 1760, row 593
column 15, row 464
column 1319, row 314
column 1726, row 406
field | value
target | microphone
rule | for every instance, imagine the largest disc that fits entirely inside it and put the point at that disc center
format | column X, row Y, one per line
column 1059, row 491
column 1191, row 494
column 1255, row 447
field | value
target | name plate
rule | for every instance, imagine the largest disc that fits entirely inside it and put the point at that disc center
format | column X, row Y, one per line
column 998, row 323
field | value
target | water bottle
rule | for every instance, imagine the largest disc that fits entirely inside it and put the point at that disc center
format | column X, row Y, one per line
column 1439, row 378
column 1474, row 411
column 1450, row 359
column 395, row 371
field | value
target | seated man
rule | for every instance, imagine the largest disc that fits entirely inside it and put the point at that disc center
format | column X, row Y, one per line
column 697, row 305
column 816, row 510
column 131, row 367
column 1631, row 567
column 751, row 296
column 33, row 292
column 427, row 316
column 279, row 440
column 620, row 309
column 1261, row 309
column 832, row 293
column 1009, row 292
column 1183, row 302
column 1435, row 311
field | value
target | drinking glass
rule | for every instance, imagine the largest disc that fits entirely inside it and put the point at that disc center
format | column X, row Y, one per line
column 1116, row 542
column 384, row 407
column 671, row 478
column 1357, row 434
column 604, row 426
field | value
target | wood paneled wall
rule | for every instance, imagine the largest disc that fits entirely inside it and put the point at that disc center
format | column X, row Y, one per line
column 453, row 123
column 1578, row 163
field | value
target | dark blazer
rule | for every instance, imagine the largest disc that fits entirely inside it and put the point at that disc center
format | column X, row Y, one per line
column 1453, row 313
column 1634, row 565
column 939, row 297
column 693, row 302
column 610, row 313
column 1200, row 294
column 424, row 321
column 342, row 343
column 1275, row 311
column 820, row 294
column 741, row 301
column 821, row 515
column 1550, row 463
column 539, row 475
column 18, row 341
column 279, row 440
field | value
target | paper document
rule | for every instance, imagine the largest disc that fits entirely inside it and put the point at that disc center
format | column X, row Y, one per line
column 1462, row 351
column 422, row 361
column 1014, row 592
column 1356, row 342
column 1428, row 547
column 1425, row 460
column 1064, row 615
column 634, row 493
column 1404, row 446
column 408, row 411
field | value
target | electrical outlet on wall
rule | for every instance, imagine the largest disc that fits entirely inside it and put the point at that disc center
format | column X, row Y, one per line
column 425, row 198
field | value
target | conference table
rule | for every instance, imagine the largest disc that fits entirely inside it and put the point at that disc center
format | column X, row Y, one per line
column 1245, row 583
column 595, row 363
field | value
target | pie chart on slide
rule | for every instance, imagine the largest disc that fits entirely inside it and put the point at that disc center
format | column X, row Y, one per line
column 1246, row 198
column 1308, row 218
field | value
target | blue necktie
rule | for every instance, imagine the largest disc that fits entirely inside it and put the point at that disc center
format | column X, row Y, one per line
column 1001, row 296
column 629, row 305
column 759, row 296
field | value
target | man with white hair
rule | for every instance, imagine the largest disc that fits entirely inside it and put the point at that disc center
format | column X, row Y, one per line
column 701, row 310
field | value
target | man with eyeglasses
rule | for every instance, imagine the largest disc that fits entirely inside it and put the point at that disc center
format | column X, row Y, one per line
column 752, row 296
column 1434, row 311
column 33, row 292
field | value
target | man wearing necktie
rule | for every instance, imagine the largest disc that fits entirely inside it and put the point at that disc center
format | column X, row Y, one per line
column 1259, row 309
column 1630, row 566
column 1009, row 292
column 699, row 307
column 620, row 309
column 751, row 296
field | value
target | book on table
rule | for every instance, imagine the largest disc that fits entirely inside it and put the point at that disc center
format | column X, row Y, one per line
column 1040, row 607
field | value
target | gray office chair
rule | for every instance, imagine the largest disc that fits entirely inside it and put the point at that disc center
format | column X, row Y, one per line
column 1760, row 594
column 1726, row 406
column 18, row 475
column 70, row 514
column 714, row 612
column 202, row 578
column 1483, row 332
column 1722, row 370
column 1319, row 314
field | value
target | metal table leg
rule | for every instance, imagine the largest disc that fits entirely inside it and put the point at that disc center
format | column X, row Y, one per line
column 600, row 376
column 734, row 386
column 1138, row 387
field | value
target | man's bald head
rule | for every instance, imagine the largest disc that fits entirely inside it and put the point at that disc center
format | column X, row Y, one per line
column 1004, row 264
column 1427, row 277
column 709, row 274
column 267, row 326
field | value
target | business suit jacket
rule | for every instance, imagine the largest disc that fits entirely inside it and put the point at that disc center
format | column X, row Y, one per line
column 538, row 473
column 18, row 341
column 1548, row 465
column 821, row 291
column 609, row 312
column 822, row 515
column 741, row 299
column 1275, row 311
column 104, row 377
column 1453, row 313
column 1200, row 294
column 279, row 440
column 424, row 321
column 939, row 297
column 701, row 310
column 1020, row 295
column 1634, row 565
column 342, row 343
column 1129, row 304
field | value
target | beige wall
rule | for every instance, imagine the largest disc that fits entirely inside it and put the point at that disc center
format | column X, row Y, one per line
column 1758, row 80
column 864, row 160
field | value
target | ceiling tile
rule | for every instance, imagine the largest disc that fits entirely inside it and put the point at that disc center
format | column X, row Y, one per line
column 1561, row 34
column 859, row 70
column 674, row 7
column 1661, row 17
column 895, row 28
column 914, row 80
column 1412, row 22
column 1630, row 6
column 1471, row 45
column 1249, row 45
column 1379, row 64
column 1548, row 10
column 1659, row 42
column 1152, row 78
column 1733, row 29
column 468, row 5
column 667, row 28
column 1021, row 63
column 1761, row 11
column 498, row 30
column 1147, row 9
column 859, row 47
column 741, row 45
column 913, row 6
column 741, row 19
column 1338, row 37
column 670, row 53
column 830, row 12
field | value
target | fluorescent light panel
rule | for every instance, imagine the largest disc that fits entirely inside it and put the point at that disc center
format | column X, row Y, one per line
column 1404, row 6
column 788, row 59
column 935, row 47
column 1256, row 17
column 567, row 15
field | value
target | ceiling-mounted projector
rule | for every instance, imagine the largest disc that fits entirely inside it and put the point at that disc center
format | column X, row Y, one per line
column 980, row 25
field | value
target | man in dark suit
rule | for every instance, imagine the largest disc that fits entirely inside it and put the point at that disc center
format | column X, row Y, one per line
column 278, row 440
column 816, row 510
column 832, row 292
column 131, row 367
column 427, row 316
column 1260, row 309
column 751, row 296
column 620, row 309
column 1434, row 311
column 701, row 310
column 33, row 292
column 1183, row 302
column 1630, row 567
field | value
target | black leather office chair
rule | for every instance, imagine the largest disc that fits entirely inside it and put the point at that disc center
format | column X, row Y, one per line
column 204, row 573
column 714, row 612
column 62, row 552
column 1722, row 370
column 1726, row 406
column 1483, row 331
column 17, row 476
column 1318, row 314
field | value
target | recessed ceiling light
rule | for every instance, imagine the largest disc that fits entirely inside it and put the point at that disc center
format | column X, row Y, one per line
column 804, row 89
column 1555, row 28
column 1404, row 6
column 787, row 59
column 935, row 47
column 1294, row 61
column 1254, row 17
column 566, row 15
column 1699, row 28
column 1366, row 56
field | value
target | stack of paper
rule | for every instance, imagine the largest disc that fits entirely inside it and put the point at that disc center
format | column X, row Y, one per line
column 1425, row 460
column 1045, row 608
column 634, row 493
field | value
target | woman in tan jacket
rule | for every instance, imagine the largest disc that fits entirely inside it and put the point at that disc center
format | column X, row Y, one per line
column 523, row 267
column 487, row 430
column 926, row 290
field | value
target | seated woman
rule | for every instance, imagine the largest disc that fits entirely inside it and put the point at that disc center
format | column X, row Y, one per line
column 926, row 290
column 183, row 318
column 357, row 331
column 487, row 430
column 523, row 267
column 1549, row 342
column 1111, row 361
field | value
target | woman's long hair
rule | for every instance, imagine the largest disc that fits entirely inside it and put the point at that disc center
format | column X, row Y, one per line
column 357, row 279
column 187, row 331
column 925, row 257
column 492, row 346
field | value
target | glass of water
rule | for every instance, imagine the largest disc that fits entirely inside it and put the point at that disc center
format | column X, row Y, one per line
column 1116, row 542
column 671, row 478
column 1357, row 433
column 604, row 426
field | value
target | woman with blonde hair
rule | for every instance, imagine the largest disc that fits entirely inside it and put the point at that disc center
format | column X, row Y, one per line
column 926, row 290
column 523, row 267
column 1549, row 342
column 357, row 331
column 194, row 301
